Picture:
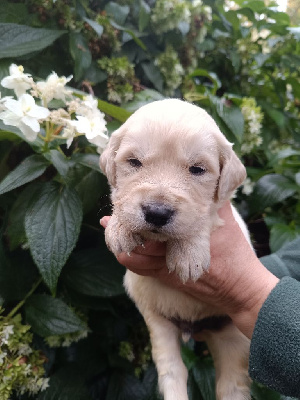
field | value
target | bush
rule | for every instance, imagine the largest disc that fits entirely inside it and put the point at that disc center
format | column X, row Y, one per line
column 68, row 331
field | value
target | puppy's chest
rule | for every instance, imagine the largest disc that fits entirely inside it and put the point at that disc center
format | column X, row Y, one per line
column 148, row 292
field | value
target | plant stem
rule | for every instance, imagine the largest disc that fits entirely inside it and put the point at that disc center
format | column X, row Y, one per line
column 22, row 302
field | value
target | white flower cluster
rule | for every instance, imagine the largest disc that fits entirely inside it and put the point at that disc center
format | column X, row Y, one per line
column 171, row 70
column 253, row 123
column 167, row 14
column 67, row 339
column 29, row 117
column 247, row 186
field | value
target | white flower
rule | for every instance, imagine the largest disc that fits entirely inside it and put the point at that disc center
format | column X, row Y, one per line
column 2, row 102
column 44, row 384
column 91, row 127
column 54, row 88
column 6, row 332
column 248, row 186
column 100, row 141
column 25, row 115
column 17, row 80
column 2, row 357
column 69, row 131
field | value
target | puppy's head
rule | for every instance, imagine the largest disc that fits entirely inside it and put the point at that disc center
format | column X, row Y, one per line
column 169, row 166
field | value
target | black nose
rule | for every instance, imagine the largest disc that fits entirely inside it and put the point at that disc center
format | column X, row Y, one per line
column 157, row 214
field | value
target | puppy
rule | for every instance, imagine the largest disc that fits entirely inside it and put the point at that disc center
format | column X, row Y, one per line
column 170, row 168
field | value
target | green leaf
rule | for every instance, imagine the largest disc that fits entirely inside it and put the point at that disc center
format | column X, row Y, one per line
column 153, row 74
column 88, row 160
column 50, row 316
column 231, row 115
column 210, row 75
column 141, row 98
column 68, row 383
column 4, row 71
column 52, row 225
column 80, row 53
column 89, row 184
column 188, row 356
column 13, row 12
column 259, row 392
column 18, row 40
column 269, row 190
column 15, row 230
column 17, row 275
column 29, row 169
column 281, row 234
column 257, row 6
column 204, row 375
column 144, row 15
column 114, row 111
column 94, row 273
column 11, row 132
column 276, row 115
column 59, row 160
column 123, row 386
column 118, row 12
column 97, row 27
column 131, row 33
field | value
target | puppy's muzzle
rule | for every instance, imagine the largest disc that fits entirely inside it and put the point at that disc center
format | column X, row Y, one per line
column 157, row 214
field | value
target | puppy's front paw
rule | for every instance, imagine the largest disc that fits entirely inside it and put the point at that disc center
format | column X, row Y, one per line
column 119, row 239
column 187, row 259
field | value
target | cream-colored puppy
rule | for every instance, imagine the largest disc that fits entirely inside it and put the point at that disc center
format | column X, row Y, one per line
column 170, row 168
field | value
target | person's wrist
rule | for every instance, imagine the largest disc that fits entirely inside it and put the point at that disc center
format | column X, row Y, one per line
column 249, row 301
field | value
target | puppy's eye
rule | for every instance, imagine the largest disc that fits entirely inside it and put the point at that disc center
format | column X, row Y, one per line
column 197, row 170
column 134, row 162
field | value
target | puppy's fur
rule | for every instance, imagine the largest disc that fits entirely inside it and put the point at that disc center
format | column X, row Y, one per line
column 170, row 169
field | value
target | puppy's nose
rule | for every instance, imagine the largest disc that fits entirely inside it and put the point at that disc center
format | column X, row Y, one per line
column 157, row 214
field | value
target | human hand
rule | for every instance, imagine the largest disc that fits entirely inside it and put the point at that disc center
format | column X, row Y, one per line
column 236, row 282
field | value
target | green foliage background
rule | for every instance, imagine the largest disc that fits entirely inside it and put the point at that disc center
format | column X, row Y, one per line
column 128, row 53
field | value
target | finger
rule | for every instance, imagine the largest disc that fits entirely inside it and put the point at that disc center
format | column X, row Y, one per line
column 150, row 248
column 141, row 262
column 104, row 221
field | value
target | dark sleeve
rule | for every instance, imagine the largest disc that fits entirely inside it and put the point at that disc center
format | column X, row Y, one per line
column 275, row 346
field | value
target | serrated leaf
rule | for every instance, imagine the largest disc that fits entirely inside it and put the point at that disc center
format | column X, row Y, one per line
column 94, row 273
column 269, row 190
column 29, row 169
column 52, row 225
column 51, row 316
column 15, row 230
column 18, row 40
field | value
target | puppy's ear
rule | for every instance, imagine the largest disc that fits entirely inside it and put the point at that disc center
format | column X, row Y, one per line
column 232, row 175
column 107, row 159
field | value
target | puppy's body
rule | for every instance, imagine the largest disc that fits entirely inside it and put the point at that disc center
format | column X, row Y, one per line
column 170, row 169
